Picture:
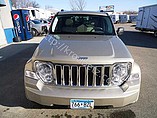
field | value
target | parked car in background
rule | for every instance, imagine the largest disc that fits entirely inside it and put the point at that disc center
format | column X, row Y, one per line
column 38, row 28
column 50, row 18
column 46, row 22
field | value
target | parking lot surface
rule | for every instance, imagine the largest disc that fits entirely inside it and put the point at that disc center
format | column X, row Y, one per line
column 13, row 103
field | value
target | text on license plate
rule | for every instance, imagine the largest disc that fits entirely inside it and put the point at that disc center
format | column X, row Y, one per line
column 81, row 104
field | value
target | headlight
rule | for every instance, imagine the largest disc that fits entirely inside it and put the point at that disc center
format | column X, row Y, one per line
column 44, row 71
column 120, row 73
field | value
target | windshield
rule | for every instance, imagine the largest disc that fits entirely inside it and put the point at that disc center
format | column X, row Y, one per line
column 82, row 24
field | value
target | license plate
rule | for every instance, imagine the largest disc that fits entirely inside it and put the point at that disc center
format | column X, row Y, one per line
column 81, row 104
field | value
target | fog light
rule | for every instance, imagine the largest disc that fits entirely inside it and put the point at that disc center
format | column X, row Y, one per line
column 124, row 87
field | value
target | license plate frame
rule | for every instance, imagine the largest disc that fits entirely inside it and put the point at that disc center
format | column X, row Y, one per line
column 81, row 104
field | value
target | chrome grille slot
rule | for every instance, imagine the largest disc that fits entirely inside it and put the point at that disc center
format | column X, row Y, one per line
column 94, row 76
column 66, row 75
column 74, row 75
column 79, row 75
column 90, row 76
column 98, row 76
column 82, row 76
column 106, row 75
column 86, row 76
column 58, row 74
column 62, row 76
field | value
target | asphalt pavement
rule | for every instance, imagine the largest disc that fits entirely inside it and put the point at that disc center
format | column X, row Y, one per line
column 13, row 103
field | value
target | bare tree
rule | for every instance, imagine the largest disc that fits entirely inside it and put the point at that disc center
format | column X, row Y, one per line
column 25, row 3
column 15, row 3
column 77, row 4
column 130, row 12
column 35, row 4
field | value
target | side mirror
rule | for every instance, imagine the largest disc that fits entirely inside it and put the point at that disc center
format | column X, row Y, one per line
column 120, row 30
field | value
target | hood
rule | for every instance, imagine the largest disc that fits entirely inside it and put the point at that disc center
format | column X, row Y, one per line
column 88, row 48
column 84, row 46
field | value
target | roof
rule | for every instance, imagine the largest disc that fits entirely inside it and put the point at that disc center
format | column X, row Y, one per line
column 82, row 12
column 149, row 6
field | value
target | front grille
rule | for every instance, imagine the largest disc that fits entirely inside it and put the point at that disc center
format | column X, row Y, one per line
column 79, row 75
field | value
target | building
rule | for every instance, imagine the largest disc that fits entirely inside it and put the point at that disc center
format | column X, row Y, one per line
column 6, row 24
column 38, row 13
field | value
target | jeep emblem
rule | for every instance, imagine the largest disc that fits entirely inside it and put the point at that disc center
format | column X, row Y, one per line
column 82, row 58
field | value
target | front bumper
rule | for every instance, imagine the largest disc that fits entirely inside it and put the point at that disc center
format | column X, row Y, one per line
column 107, row 96
column 103, row 96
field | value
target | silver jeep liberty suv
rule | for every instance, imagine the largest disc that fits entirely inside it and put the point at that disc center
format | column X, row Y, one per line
column 82, row 63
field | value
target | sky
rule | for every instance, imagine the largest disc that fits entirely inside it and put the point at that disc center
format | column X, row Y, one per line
column 93, row 5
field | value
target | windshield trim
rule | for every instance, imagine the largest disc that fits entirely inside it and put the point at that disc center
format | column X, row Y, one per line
column 83, row 33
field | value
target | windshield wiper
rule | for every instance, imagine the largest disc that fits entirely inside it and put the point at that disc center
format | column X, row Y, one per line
column 98, row 32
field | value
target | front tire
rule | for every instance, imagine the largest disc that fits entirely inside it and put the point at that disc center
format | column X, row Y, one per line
column 17, row 39
column 34, row 32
